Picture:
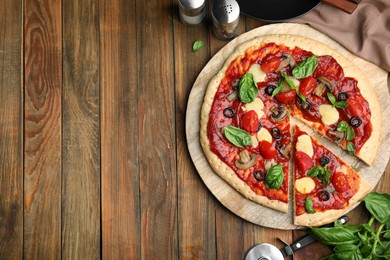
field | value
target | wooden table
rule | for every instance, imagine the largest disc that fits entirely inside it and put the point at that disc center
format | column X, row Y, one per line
column 93, row 155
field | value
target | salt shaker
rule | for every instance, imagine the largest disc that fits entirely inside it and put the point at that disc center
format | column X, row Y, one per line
column 192, row 12
column 225, row 15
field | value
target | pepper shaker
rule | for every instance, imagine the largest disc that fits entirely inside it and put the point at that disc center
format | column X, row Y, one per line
column 192, row 12
column 225, row 15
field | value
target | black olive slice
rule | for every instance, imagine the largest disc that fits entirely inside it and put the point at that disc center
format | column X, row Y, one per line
column 229, row 112
column 324, row 160
column 324, row 195
column 236, row 84
column 259, row 175
column 269, row 90
column 306, row 106
column 343, row 96
column 356, row 121
column 276, row 133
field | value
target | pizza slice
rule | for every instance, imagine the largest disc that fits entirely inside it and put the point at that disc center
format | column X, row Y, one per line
column 324, row 186
column 247, row 139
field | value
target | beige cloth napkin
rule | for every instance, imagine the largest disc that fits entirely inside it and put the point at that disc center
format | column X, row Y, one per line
column 365, row 32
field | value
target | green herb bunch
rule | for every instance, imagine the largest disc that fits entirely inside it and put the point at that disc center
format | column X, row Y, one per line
column 363, row 241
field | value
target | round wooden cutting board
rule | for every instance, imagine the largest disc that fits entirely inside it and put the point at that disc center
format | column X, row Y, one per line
column 233, row 200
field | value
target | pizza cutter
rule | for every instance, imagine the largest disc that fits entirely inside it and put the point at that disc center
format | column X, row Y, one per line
column 265, row 251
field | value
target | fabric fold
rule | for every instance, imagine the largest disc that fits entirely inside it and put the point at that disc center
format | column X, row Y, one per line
column 365, row 32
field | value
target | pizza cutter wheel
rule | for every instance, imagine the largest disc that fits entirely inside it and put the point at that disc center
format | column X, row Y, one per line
column 265, row 251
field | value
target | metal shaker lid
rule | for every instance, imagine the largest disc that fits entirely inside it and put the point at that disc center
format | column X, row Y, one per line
column 225, row 11
column 192, row 5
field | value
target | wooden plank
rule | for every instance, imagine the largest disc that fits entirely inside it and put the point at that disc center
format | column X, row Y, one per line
column 42, row 155
column 119, row 130
column 81, row 132
column 196, row 214
column 157, row 149
column 11, row 130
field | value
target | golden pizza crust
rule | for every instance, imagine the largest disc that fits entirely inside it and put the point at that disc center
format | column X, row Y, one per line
column 322, row 218
column 368, row 151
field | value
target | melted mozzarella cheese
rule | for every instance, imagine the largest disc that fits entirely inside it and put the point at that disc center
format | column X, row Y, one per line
column 264, row 135
column 257, row 72
column 255, row 142
column 296, row 82
column 342, row 169
column 305, row 145
column 257, row 105
column 305, row 185
column 269, row 163
column 329, row 114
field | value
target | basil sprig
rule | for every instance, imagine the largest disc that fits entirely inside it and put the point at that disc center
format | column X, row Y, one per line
column 365, row 241
column 309, row 205
column 292, row 86
column 274, row 177
column 321, row 173
column 343, row 126
column 237, row 136
column 335, row 103
column 248, row 90
column 351, row 148
column 305, row 68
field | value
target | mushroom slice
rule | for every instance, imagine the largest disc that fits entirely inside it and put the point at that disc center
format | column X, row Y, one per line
column 284, row 150
column 287, row 60
column 278, row 113
column 246, row 160
column 337, row 136
column 232, row 96
column 323, row 84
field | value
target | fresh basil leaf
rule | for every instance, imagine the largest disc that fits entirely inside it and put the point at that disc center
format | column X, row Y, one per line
column 387, row 235
column 351, row 148
column 302, row 97
column 277, row 90
column 237, row 136
column 248, row 90
column 341, row 104
column 274, row 177
column 282, row 87
column 380, row 249
column 350, row 134
column 305, row 68
column 342, row 126
column 331, row 98
column 321, row 173
column 325, row 177
column 314, row 171
column 338, row 104
column 378, row 204
column 368, row 228
column 386, row 252
column 293, row 86
column 348, row 252
column 334, row 235
column 309, row 205
column 197, row 45
column 289, row 81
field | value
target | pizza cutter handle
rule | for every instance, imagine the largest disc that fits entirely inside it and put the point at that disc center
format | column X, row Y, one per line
column 307, row 240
